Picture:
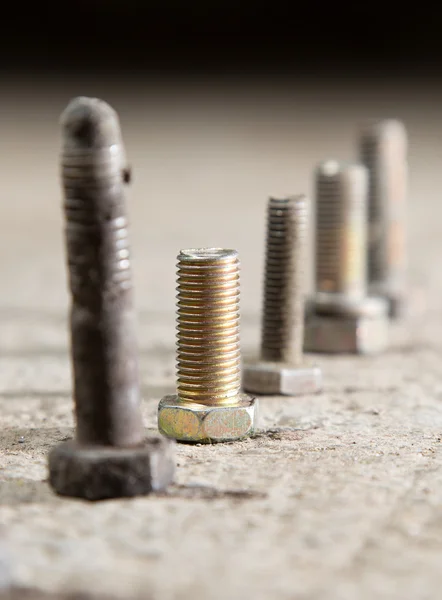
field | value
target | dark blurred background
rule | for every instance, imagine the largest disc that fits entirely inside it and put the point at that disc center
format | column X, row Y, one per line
column 172, row 39
column 222, row 103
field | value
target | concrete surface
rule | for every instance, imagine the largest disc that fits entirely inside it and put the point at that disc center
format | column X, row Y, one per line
column 339, row 496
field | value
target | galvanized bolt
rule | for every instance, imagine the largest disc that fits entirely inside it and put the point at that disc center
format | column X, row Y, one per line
column 341, row 317
column 383, row 150
column 209, row 405
column 110, row 456
column 282, row 368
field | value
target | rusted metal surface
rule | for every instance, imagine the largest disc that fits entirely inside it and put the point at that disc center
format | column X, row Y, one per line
column 110, row 456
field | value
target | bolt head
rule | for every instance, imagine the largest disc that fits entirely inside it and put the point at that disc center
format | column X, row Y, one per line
column 101, row 472
column 356, row 334
column 187, row 422
column 281, row 379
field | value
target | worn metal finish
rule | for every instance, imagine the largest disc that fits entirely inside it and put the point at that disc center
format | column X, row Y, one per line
column 100, row 472
column 383, row 149
column 340, row 317
column 102, row 317
column 282, row 319
column 190, row 422
column 209, row 406
column 282, row 368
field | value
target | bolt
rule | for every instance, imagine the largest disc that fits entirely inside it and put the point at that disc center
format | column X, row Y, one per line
column 340, row 316
column 110, row 456
column 383, row 149
column 282, row 368
column 209, row 405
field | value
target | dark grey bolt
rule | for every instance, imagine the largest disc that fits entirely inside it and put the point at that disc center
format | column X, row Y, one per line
column 282, row 368
column 283, row 311
column 102, row 317
column 104, row 349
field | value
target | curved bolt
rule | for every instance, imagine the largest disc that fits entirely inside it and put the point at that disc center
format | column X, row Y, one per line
column 110, row 456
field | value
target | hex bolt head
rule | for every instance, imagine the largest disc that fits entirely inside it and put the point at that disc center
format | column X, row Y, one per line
column 101, row 472
column 209, row 406
column 111, row 456
column 362, row 331
column 282, row 369
column 267, row 378
column 201, row 423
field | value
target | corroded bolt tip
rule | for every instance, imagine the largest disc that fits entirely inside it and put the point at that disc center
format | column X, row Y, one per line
column 208, row 406
column 383, row 148
column 340, row 317
column 281, row 368
column 110, row 442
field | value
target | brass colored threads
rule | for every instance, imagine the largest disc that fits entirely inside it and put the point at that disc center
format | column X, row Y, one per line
column 208, row 346
column 283, row 314
column 341, row 229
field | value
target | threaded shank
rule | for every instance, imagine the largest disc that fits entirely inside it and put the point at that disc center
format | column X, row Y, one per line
column 383, row 149
column 96, row 227
column 104, row 350
column 283, row 311
column 341, row 204
column 208, row 348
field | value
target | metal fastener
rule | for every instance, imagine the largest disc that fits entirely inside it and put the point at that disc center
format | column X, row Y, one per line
column 383, row 149
column 341, row 317
column 282, row 368
column 209, row 405
column 110, row 456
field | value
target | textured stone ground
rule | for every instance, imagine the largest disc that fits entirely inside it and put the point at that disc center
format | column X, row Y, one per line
column 339, row 495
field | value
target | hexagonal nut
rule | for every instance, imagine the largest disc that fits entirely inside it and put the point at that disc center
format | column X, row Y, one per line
column 281, row 379
column 187, row 422
column 356, row 335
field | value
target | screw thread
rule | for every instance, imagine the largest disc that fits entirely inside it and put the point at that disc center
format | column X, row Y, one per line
column 341, row 203
column 208, row 348
column 383, row 150
column 104, row 349
column 283, row 312
column 96, row 221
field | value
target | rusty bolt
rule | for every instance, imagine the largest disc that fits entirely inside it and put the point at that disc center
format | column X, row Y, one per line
column 110, row 456
column 282, row 368
column 383, row 150
column 341, row 317
column 208, row 406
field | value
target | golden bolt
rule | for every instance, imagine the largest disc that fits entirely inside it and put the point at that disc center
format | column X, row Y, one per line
column 208, row 406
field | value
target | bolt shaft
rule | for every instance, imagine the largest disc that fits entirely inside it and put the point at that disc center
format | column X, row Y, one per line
column 341, row 204
column 208, row 348
column 383, row 149
column 102, row 319
column 283, row 311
